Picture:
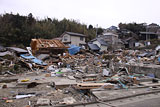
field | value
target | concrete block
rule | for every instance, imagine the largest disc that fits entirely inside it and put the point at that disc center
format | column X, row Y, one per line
column 43, row 102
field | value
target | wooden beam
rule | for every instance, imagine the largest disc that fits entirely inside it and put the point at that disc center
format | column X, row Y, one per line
column 93, row 85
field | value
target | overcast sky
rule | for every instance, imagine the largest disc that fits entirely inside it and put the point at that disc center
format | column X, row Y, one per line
column 105, row 13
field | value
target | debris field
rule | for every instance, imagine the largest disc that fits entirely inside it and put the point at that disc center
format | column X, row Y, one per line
column 50, row 74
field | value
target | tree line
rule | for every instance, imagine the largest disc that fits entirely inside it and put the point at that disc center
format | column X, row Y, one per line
column 17, row 30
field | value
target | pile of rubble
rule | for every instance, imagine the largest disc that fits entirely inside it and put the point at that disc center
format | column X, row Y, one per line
column 47, row 79
column 136, row 56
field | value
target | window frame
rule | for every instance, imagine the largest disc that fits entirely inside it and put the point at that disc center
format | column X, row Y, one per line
column 81, row 38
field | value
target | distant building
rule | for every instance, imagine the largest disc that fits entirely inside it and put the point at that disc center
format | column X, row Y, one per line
column 153, row 27
column 148, row 35
column 158, row 33
column 130, row 42
column 112, row 29
column 112, row 40
column 152, row 32
column 71, row 38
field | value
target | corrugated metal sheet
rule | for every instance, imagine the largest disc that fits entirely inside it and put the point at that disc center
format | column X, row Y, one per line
column 19, row 50
column 93, row 47
column 5, row 53
column 100, row 40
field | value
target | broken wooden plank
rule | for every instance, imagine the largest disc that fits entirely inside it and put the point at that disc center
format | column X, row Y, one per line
column 8, row 80
column 150, row 84
column 89, row 79
column 94, row 85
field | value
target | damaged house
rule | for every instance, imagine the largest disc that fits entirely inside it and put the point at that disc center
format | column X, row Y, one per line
column 112, row 39
column 46, row 46
column 148, row 35
column 98, row 44
column 130, row 42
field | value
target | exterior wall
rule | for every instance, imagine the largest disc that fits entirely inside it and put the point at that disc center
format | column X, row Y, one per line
column 132, row 43
column 115, row 40
column 75, row 40
column 119, row 46
column 115, row 43
column 68, row 38
column 103, row 48
column 107, row 38
column 148, row 36
column 110, row 38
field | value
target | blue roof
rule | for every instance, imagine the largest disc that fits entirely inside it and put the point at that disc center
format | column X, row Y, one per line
column 113, row 27
column 93, row 47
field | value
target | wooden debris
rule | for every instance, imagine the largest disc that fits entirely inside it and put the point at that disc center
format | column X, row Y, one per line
column 150, row 84
column 89, row 79
column 93, row 85
column 8, row 80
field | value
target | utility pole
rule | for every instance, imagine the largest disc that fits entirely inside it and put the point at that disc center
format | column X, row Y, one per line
column 146, row 43
column 96, row 30
column 146, row 33
column 146, row 30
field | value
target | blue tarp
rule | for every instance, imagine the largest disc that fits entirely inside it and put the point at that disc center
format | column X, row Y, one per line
column 33, row 59
column 73, row 49
column 159, row 59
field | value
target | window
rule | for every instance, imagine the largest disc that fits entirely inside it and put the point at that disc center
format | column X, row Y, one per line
column 65, row 38
column 81, row 38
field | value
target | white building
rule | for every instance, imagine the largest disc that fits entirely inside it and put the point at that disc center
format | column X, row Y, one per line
column 70, row 38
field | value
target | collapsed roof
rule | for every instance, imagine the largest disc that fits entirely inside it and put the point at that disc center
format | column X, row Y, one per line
column 47, row 46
